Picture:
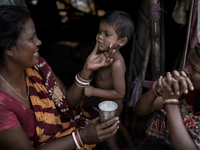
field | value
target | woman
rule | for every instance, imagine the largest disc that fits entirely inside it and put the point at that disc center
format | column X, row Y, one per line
column 37, row 111
column 177, row 126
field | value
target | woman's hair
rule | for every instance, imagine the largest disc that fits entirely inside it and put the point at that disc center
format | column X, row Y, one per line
column 12, row 21
column 197, row 50
column 121, row 21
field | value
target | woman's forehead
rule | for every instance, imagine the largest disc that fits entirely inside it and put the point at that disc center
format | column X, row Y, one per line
column 28, row 29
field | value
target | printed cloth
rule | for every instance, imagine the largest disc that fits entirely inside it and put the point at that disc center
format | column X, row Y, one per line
column 50, row 117
column 157, row 128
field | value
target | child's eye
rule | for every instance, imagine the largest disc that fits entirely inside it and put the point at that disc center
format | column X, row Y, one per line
column 107, row 34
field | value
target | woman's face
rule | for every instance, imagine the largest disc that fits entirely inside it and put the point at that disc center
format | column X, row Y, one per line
column 25, row 52
column 192, row 69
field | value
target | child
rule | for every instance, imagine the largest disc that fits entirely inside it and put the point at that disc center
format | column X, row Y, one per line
column 115, row 30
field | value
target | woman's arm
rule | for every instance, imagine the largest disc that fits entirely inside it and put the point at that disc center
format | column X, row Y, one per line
column 148, row 103
column 16, row 139
column 179, row 137
column 93, row 62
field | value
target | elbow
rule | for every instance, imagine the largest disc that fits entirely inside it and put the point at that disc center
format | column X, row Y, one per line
column 139, row 111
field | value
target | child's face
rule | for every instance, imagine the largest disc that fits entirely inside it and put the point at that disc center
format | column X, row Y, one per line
column 106, row 36
column 192, row 69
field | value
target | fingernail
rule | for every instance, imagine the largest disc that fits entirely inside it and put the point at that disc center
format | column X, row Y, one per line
column 186, row 91
column 172, row 93
column 192, row 88
column 111, row 44
column 178, row 93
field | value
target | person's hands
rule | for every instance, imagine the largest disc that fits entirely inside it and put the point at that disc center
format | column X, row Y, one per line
column 173, row 85
column 88, row 91
column 98, row 132
column 96, row 61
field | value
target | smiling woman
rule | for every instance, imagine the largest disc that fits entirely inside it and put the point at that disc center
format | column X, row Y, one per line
column 37, row 110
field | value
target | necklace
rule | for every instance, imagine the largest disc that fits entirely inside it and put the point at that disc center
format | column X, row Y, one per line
column 15, row 90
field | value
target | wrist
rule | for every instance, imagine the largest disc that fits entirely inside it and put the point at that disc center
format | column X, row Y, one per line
column 85, row 73
column 168, row 102
column 77, row 139
column 156, row 90
column 82, row 136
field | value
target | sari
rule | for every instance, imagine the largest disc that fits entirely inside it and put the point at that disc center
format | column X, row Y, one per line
column 158, row 130
column 50, row 117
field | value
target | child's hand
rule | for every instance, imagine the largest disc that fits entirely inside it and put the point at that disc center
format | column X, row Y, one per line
column 88, row 91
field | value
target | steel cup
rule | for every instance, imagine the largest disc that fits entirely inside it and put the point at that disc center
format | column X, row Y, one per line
column 107, row 110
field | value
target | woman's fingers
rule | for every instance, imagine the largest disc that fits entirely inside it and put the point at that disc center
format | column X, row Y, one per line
column 175, row 86
column 166, row 86
column 110, row 131
column 108, row 128
column 95, row 49
column 108, row 123
column 190, row 85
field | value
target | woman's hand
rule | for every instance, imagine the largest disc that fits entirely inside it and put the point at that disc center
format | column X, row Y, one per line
column 173, row 85
column 96, row 61
column 98, row 132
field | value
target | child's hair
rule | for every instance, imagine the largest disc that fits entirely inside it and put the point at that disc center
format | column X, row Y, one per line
column 121, row 21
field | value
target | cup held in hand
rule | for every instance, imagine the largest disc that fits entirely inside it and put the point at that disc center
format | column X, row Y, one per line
column 107, row 110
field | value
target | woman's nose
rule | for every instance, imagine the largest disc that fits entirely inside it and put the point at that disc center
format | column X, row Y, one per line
column 38, row 42
column 186, row 70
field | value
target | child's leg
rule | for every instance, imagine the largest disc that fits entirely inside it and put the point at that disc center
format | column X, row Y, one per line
column 122, row 129
column 112, row 144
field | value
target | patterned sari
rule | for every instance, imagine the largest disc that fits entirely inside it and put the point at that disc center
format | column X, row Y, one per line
column 158, row 130
column 54, row 118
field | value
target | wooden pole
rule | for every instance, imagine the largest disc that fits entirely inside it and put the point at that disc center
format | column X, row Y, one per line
column 155, row 44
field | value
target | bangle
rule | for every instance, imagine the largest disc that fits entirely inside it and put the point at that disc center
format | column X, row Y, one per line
column 79, row 84
column 79, row 137
column 153, row 89
column 75, row 140
column 83, row 80
column 170, row 101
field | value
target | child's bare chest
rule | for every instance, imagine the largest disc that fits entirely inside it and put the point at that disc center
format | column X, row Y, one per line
column 102, row 77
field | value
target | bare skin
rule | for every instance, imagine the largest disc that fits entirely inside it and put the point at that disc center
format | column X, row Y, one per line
column 13, row 71
column 109, row 82
column 171, row 87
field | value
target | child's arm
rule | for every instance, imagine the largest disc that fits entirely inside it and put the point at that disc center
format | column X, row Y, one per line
column 118, row 70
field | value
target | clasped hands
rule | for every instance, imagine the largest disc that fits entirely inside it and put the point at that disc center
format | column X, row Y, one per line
column 173, row 85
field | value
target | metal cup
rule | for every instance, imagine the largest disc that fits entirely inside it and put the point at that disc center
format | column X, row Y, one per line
column 107, row 110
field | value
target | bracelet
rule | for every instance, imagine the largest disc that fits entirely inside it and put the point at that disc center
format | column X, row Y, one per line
column 81, row 82
column 77, row 140
column 170, row 101
column 79, row 137
column 153, row 89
